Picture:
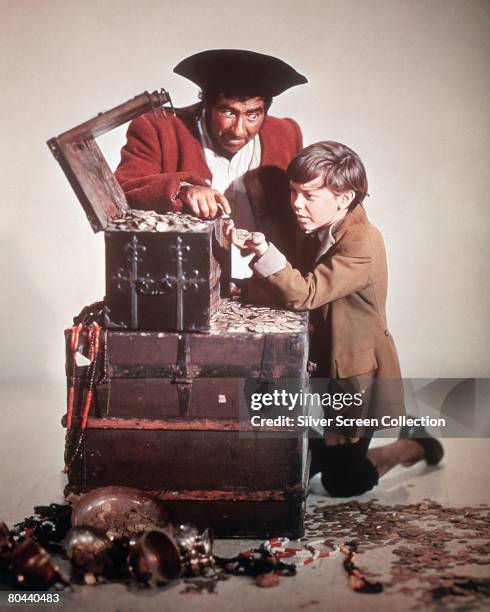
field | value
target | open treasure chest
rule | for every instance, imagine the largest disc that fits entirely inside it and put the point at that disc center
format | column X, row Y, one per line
column 160, row 373
column 162, row 272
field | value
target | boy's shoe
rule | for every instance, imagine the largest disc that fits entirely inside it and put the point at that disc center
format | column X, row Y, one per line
column 433, row 450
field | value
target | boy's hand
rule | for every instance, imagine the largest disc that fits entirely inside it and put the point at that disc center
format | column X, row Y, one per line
column 247, row 242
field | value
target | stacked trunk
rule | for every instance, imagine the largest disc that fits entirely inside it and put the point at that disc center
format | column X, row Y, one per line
column 175, row 368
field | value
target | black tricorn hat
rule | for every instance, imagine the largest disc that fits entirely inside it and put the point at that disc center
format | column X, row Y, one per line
column 239, row 72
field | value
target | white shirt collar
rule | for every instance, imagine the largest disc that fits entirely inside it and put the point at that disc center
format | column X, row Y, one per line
column 325, row 233
column 326, row 239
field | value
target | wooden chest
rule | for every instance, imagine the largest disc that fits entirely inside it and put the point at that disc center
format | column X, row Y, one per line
column 171, row 417
column 166, row 279
column 159, row 275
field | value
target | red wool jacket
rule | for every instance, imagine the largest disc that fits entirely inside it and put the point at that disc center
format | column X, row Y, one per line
column 160, row 153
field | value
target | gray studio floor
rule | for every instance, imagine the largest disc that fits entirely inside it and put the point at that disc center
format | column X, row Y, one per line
column 31, row 453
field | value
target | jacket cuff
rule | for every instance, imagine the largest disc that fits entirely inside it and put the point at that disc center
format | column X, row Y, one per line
column 272, row 261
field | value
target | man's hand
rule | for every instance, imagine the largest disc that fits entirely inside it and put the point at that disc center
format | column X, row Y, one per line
column 247, row 242
column 204, row 202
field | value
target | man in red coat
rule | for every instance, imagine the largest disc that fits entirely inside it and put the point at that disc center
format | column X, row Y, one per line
column 224, row 154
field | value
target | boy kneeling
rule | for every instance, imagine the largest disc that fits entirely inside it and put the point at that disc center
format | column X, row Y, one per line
column 341, row 277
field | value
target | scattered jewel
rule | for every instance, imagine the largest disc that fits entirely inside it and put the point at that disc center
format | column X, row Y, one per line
column 423, row 537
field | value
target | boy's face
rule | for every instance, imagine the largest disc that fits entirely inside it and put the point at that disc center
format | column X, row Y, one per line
column 316, row 206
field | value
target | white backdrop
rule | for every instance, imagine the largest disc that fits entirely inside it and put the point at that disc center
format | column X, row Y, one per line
column 405, row 83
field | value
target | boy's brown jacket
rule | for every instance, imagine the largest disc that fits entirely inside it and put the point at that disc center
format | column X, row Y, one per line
column 348, row 287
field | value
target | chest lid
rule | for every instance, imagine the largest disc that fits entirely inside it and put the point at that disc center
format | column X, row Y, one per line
column 85, row 166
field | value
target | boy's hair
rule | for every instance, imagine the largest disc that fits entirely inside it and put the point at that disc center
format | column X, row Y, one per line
column 341, row 169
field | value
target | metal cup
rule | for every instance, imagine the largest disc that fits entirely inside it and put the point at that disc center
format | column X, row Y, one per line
column 88, row 550
column 33, row 566
column 156, row 558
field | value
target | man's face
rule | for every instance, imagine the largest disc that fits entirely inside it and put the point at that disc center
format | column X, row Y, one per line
column 232, row 124
column 315, row 205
